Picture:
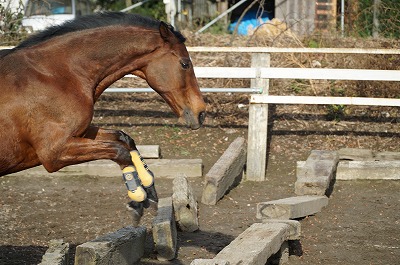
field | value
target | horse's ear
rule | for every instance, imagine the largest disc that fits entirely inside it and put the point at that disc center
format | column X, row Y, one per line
column 166, row 32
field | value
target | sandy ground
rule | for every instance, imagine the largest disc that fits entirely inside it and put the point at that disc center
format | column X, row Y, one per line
column 361, row 224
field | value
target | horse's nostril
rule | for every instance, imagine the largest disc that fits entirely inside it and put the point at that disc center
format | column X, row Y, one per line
column 202, row 117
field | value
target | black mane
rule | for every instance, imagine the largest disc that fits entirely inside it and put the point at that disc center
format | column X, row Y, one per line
column 97, row 20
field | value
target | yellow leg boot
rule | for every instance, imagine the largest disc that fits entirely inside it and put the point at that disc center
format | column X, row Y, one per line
column 145, row 176
column 135, row 190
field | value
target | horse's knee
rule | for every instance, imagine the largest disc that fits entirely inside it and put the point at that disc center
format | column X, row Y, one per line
column 125, row 138
column 51, row 166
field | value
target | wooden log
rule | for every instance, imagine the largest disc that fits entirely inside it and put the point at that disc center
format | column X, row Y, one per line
column 164, row 230
column 185, row 205
column 149, row 151
column 386, row 155
column 291, row 208
column 56, row 254
column 256, row 244
column 164, row 168
column 316, row 175
column 123, row 247
column 294, row 227
column 352, row 170
column 209, row 262
column 224, row 172
column 355, row 154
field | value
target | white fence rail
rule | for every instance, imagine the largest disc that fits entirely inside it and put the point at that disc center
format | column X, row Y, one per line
column 297, row 73
column 313, row 100
column 293, row 50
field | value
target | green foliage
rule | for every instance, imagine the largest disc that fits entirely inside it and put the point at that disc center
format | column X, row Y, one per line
column 337, row 91
column 10, row 23
column 335, row 112
column 389, row 18
column 153, row 8
column 218, row 28
column 298, row 85
column 313, row 44
column 113, row 5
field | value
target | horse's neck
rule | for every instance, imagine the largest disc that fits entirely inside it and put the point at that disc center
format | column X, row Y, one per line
column 108, row 56
column 116, row 50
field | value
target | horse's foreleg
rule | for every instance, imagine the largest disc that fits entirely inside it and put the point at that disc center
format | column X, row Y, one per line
column 140, row 166
column 105, row 144
column 139, row 169
column 100, row 134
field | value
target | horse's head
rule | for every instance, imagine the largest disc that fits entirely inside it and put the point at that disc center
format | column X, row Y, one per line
column 170, row 73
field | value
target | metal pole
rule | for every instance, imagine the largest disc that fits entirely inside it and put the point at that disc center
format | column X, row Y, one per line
column 133, row 6
column 342, row 17
column 220, row 16
column 204, row 90
column 375, row 28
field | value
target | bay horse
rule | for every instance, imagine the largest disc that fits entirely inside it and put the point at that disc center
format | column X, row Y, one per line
column 50, row 82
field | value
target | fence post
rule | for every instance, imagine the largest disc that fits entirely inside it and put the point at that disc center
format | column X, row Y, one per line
column 258, row 123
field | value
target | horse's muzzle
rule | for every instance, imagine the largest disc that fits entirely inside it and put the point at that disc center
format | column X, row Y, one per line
column 192, row 121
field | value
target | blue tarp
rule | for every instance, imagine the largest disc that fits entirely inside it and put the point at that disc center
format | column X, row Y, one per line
column 250, row 20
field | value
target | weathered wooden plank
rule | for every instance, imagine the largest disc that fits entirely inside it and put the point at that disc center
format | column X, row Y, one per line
column 351, row 170
column 164, row 230
column 123, row 247
column 209, row 262
column 257, row 142
column 291, row 208
column 224, row 172
column 165, row 168
column 294, row 227
column 315, row 176
column 185, row 205
column 256, row 244
column 56, row 254
column 387, row 155
column 355, row 154
column 149, row 151
column 258, row 125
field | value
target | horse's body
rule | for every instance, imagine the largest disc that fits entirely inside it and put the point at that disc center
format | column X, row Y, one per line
column 50, row 82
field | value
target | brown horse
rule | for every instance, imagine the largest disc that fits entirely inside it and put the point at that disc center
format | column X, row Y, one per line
column 50, row 82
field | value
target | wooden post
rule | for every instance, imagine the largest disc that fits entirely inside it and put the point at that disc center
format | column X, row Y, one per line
column 258, row 122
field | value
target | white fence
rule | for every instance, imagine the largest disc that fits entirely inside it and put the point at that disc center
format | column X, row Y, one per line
column 260, row 73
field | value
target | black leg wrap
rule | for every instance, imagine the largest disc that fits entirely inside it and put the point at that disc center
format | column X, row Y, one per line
column 152, row 193
column 137, row 211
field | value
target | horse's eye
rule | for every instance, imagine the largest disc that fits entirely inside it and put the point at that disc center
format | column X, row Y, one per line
column 185, row 65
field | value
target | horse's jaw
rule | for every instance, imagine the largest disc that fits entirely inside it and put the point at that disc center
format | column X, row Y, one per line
column 192, row 116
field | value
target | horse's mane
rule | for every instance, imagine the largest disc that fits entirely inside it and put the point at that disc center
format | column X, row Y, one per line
column 4, row 52
column 97, row 20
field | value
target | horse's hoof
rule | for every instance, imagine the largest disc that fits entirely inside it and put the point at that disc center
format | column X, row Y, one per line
column 136, row 209
column 151, row 194
column 153, row 205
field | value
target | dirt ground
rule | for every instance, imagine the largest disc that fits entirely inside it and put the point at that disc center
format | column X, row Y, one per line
column 361, row 224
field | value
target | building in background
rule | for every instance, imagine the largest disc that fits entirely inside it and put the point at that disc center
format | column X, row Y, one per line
column 301, row 16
